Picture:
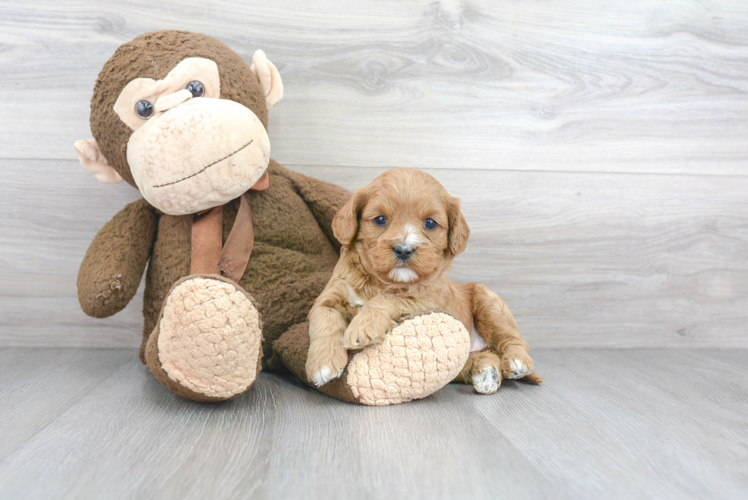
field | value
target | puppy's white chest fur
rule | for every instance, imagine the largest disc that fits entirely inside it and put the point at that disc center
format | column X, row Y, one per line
column 403, row 275
column 354, row 299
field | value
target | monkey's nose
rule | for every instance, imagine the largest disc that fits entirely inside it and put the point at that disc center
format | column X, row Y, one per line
column 403, row 252
column 173, row 99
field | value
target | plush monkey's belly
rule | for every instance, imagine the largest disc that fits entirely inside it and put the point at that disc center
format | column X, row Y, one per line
column 292, row 259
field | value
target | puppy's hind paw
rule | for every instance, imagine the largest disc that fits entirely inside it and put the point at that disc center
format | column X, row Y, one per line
column 487, row 380
column 515, row 368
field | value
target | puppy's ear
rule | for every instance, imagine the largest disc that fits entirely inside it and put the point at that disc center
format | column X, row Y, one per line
column 345, row 223
column 458, row 228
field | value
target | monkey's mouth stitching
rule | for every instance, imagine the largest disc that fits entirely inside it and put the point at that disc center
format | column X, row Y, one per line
column 205, row 168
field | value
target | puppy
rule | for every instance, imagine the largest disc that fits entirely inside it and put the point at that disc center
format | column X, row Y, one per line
column 399, row 236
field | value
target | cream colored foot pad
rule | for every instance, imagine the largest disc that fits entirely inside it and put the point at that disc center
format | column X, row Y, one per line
column 210, row 338
column 417, row 358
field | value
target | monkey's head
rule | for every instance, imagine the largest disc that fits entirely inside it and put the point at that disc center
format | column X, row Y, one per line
column 183, row 118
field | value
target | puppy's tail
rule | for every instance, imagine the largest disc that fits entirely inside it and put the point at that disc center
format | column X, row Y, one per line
column 532, row 378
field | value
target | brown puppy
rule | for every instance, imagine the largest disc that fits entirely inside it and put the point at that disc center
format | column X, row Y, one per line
column 399, row 236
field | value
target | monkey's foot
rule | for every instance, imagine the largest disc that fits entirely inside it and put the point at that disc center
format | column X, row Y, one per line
column 207, row 343
column 416, row 358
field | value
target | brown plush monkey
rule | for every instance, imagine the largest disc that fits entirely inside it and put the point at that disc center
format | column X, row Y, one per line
column 237, row 247
column 183, row 118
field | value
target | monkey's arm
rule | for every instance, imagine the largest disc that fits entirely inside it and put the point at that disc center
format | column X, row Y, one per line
column 113, row 266
column 323, row 198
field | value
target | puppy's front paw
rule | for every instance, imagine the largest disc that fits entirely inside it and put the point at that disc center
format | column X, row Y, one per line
column 325, row 365
column 487, row 380
column 324, row 375
column 514, row 365
column 362, row 332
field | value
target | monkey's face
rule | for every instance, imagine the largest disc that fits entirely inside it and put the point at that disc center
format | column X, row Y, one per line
column 190, row 150
column 183, row 118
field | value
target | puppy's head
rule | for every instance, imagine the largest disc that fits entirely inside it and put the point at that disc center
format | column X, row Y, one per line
column 405, row 227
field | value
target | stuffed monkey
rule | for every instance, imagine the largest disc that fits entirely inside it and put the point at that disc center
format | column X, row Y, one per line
column 237, row 247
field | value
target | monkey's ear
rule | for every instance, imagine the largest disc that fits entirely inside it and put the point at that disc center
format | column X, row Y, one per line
column 92, row 160
column 269, row 78
column 345, row 222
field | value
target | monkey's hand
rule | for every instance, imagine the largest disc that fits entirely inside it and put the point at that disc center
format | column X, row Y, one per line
column 113, row 266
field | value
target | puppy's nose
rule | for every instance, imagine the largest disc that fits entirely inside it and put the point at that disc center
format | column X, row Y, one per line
column 403, row 252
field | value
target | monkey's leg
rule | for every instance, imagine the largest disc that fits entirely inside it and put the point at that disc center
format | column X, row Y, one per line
column 207, row 343
column 419, row 356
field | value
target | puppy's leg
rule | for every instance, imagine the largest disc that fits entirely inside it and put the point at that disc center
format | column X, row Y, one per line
column 482, row 369
column 497, row 327
column 375, row 319
column 327, row 357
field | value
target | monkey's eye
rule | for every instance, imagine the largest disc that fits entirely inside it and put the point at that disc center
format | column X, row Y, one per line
column 196, row 88
column 380, row 221
column 430, row 224
column 144, row 109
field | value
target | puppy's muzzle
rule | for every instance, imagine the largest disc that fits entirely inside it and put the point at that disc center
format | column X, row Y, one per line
column 404, row 252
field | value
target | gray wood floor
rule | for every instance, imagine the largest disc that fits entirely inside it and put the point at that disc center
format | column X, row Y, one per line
column 92, row 423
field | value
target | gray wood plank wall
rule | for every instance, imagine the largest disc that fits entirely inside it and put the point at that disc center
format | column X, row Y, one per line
column 600, row 149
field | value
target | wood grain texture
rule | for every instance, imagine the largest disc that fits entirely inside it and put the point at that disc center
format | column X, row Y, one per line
column 40, row 384
column 665, row 420
column 624, row 86
column 582, row 259
column 607, row 423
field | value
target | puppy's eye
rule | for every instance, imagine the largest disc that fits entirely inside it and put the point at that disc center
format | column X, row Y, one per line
column 196, row 88
column 430, row 224
column 380, row 221
column 144, row 109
